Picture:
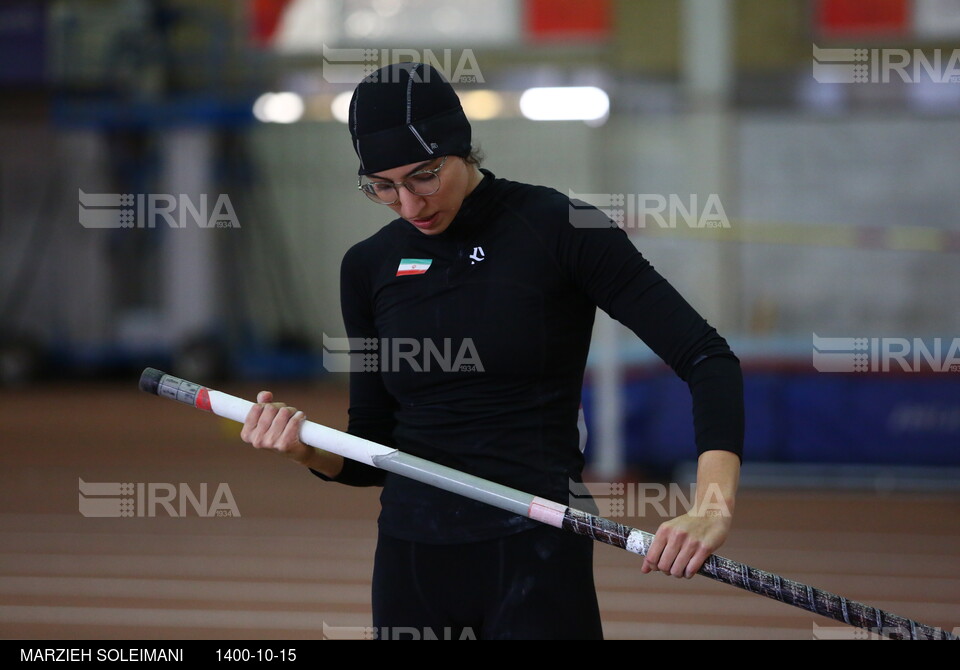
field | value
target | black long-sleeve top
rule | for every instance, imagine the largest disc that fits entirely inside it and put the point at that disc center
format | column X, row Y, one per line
column 481, row 358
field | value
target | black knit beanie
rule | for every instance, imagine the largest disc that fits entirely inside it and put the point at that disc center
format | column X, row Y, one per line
column 406, row 113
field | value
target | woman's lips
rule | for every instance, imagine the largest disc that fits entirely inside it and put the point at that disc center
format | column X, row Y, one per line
column 425, row 223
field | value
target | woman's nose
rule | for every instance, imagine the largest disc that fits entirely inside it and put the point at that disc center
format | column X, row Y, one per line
column 411, row 204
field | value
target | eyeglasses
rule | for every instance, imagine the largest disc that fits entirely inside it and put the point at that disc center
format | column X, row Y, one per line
column 424, row 182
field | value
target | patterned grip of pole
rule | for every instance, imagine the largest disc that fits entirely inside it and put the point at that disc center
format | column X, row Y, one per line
column 763, row 583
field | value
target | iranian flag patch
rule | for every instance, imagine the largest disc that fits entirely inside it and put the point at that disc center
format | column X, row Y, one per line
column 413, row 266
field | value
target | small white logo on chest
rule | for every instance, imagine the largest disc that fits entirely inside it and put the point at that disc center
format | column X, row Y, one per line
column 477, row 255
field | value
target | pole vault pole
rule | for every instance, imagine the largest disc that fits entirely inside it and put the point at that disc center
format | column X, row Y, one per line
column 551, row 513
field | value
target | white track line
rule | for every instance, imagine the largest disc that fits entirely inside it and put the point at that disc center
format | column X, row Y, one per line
column 319, row 622
column 180, row 589
column 327, row 594
column 257, row 527
column 221, row 567
column 628, row 630
column 181, row 566
column 329, row 545
column 243, row 526
column 179, row 618
column 617, row 601
column 776, row 560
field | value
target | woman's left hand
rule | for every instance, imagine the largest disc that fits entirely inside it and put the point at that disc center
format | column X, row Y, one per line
column 681, row 545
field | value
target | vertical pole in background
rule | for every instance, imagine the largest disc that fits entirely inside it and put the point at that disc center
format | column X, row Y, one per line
column 707, row 76
column 189, row 269
column 706, row 79
column 707, row 51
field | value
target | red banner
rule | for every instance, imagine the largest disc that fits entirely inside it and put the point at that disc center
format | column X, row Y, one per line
column 264, row 18
column 555, row 20
column 859, row 18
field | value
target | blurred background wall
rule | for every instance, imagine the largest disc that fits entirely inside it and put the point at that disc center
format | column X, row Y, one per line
column 836, row 173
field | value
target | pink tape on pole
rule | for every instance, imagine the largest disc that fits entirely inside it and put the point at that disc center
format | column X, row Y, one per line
column 547, row 511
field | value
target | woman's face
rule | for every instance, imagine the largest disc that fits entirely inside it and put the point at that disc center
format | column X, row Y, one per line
column 432, row 214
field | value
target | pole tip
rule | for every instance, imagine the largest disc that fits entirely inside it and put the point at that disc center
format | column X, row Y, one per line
column 150, row 380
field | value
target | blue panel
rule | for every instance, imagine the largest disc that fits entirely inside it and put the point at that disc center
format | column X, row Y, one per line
column 22, row 50
column 891, row 419
column 884, row 419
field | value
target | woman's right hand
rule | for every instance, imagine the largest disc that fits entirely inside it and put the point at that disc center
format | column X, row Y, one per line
column 276, row 426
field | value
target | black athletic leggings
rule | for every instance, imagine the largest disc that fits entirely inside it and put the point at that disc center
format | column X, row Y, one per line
column 537, row 584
